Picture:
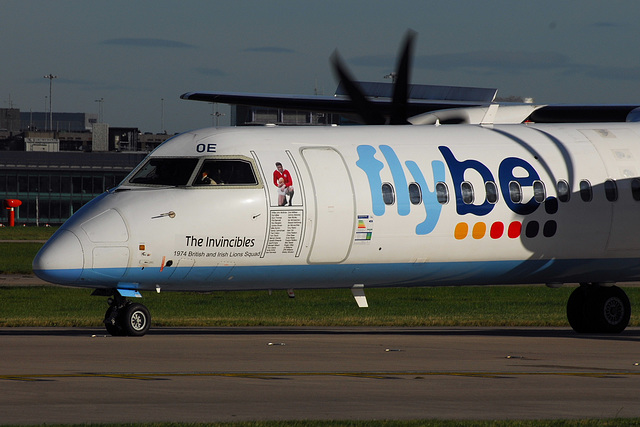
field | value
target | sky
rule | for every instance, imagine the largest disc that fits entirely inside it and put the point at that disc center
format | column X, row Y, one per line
column 139, row 56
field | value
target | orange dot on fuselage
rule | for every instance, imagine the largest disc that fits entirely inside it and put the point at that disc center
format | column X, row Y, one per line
column 479, row 230
column 461, row 230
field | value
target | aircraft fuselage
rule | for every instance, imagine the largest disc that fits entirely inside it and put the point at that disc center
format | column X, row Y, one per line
column 373, row 206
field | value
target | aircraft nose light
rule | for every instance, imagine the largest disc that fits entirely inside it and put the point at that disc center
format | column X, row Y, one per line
column 60, row 260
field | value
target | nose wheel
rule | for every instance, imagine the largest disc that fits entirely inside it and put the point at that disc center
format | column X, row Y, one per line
column 124, row 318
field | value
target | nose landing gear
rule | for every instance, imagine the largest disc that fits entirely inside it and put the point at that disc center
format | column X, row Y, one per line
column 124, row 318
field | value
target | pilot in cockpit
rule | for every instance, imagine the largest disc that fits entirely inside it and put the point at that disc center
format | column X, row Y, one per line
column 205, row 179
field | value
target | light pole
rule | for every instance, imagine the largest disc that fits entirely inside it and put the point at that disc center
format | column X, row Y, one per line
column 100, row 101
column 161, row 115
column 50, row 77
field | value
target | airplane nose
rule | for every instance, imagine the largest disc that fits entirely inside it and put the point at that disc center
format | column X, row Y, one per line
column 60, row 260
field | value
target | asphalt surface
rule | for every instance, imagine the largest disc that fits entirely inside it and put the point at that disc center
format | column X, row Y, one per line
column 75, row 375
column 21, row 280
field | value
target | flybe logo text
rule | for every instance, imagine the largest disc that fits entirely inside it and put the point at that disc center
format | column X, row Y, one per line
column 372, row 167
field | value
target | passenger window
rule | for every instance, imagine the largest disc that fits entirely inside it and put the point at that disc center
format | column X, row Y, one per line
column 539, row 192
column 635, row 189
column 467, row 192
column 388, row 195
column 564, row 192
column 415, row 194
column 586, row 193
column 165, row 171
column 515, row 192
column 442, row 193
column 226, row 172
column 611, row 190
column 492, row 192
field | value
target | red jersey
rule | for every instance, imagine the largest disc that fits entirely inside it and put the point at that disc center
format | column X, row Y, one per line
column 285, row 175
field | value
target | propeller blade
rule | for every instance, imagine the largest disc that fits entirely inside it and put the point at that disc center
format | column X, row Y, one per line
column 364, row 108
column 401, row 84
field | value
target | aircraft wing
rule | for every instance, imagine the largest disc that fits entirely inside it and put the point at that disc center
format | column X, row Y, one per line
column 325, row 104
column 560, row 113
column 402, row 103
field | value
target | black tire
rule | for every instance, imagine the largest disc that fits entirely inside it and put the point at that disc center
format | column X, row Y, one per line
column 135, row 320
column 610, row 310
column 112, row 323
column 577, row 311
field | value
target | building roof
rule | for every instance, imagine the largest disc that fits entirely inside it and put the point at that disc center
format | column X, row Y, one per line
column 70, row 160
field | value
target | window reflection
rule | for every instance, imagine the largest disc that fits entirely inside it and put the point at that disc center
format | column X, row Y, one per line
column 586, row 193
column 442, row 193
column 226, row 172
column 169, row 171
column 491, row 189
column 415, row 194
column 539, row 192
column 467, row 192
column 515, row 192
column 611, row 190
column 564, row 192
column 388, row 195
column 635, row 189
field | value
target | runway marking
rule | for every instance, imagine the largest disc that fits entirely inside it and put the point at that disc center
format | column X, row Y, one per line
column 373, row 375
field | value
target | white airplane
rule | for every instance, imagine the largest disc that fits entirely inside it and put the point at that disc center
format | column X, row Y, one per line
column 366, row 206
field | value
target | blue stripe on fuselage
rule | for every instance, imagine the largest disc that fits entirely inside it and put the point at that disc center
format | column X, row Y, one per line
column 372, row 275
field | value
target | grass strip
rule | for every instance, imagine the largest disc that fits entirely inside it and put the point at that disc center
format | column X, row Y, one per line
column 621, row 422
column 26, row 233
column 17, row 257
column 399, row 307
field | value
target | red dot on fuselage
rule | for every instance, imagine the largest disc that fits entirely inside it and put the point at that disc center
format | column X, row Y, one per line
column 514, row 229
column 497, row 230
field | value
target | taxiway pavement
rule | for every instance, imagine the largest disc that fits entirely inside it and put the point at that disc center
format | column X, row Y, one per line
column 74, row 375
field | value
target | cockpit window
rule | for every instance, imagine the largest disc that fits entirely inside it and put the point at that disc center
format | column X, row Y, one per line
column 226, row 172
column 159, row 171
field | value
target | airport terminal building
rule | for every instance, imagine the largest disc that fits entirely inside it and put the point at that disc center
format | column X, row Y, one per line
column 52, row 186
column 54, row 172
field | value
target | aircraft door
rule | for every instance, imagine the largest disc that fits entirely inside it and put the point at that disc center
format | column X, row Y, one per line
column 334, row 205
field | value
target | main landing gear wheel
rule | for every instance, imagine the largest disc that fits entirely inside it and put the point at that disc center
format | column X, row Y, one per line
column 126, row 318
column 600, row 309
